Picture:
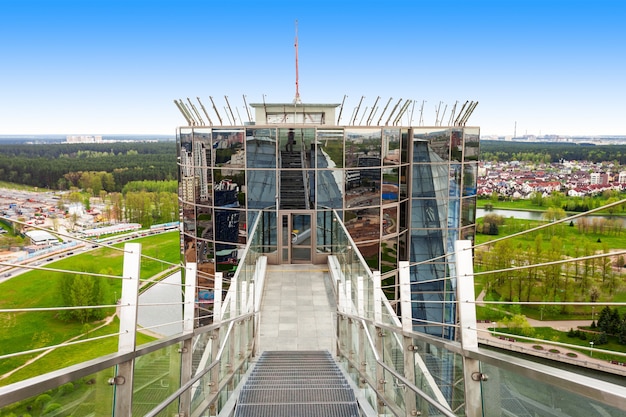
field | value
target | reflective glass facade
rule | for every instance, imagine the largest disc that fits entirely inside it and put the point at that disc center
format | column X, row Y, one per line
column 404, row 194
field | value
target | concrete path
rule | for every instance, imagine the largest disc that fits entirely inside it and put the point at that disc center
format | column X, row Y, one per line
column 298, row 309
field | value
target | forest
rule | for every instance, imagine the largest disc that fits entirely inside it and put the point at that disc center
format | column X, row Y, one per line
column 61, row 166
column 546, row 152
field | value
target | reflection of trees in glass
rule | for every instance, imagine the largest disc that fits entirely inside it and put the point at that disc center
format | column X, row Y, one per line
column 334, row 150
column 389, row 255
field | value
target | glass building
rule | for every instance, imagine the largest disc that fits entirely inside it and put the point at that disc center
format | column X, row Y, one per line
column 405, row 193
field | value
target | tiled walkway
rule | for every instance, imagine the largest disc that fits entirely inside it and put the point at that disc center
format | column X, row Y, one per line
column 298, row 309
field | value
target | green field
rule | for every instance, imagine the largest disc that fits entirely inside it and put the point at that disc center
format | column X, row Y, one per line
column 30, row 330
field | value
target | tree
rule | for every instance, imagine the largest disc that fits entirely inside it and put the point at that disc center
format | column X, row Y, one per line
column 77, row 290
column 519, row 325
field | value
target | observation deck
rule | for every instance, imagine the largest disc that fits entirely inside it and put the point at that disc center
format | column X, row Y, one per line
column 341, row 350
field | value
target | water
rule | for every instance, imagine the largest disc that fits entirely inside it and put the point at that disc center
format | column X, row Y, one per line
column 166, row 317
column 535, row 215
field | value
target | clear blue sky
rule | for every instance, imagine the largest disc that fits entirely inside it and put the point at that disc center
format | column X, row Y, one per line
column 115, row 66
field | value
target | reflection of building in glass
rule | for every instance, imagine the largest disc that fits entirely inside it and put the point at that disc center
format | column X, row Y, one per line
column 405, row 193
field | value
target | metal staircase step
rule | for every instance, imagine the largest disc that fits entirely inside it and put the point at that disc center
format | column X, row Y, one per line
column 296, row 383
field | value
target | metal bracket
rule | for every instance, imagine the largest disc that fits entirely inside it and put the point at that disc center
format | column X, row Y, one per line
column 479, row 376
column 117, row 380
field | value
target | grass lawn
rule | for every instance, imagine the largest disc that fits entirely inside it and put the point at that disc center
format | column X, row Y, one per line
column 24, row 331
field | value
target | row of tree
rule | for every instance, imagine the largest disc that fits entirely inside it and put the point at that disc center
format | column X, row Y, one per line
column 550, row 152
column 97, row 166
column 554, row 281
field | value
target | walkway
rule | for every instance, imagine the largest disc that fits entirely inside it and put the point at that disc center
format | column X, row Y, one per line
column 297, row 309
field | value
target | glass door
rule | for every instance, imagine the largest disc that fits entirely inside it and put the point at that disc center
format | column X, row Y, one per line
column 296, row 237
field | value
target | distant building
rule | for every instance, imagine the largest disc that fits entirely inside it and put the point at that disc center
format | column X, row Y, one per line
column 598, row 178
column 41, row 238
column 83, row 139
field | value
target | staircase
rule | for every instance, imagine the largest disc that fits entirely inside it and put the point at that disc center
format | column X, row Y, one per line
column 296, row 383
column 293, row 194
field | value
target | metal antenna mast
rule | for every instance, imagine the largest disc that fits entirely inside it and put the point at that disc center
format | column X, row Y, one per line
column 297, row 99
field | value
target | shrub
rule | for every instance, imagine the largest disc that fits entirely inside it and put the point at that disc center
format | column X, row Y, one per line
column 50, row 408
column 538, row 347
column 42, row 400
column 66, row 388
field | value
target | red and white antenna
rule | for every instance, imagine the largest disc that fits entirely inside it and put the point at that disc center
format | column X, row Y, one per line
column 297, row 100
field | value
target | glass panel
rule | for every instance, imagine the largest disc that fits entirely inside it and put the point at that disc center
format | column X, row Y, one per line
column 406, row 143
column 363, row 147
column 228, row 146
column 428, row 213
column 296, row 140
column 403, row 252
column 391, row 146
column 363, row 187
column 455, row 180
column 301, row 229
column 325, row 235
column 329, row 191
column 467, row 233
column 510, row 393
column 468, row 211
column 301, row 254
column 228, row 187
column 404, row 178
column 370, row 252
column 164, row 319
column 389, row 254
column 363, row 225
column 390, row 188
column 456, row 145
column 390, row 220
column 472, row 143
column 91, row 395
column 261, row 148
column 204, row 223
column 261, row 189
column 439, row 373
column 157, row 376
column 470, row 172
column 329, row 148
column 227, row 225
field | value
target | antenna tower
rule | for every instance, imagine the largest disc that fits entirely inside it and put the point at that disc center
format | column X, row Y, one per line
column 297, row 100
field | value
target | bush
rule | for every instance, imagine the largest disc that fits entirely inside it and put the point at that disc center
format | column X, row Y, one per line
column 50, row 408
column 66, row 388
column 42, row 400
column 582, row 335
column 538, row 347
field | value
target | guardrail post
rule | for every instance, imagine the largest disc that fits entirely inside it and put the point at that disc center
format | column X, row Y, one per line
column 467, row 320
column 379, row 336
column 123, row 380
column 215, row 339
column 187, row 348
column 410, row 402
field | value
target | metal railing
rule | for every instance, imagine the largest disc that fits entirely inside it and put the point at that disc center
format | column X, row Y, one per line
column 397, row 370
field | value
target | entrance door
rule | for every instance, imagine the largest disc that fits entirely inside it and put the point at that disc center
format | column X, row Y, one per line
column 296, row 237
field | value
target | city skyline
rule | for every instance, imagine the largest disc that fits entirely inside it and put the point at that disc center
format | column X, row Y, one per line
column 114, row 67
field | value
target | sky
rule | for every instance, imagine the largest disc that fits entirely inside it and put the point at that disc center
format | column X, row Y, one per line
column 535, row 67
